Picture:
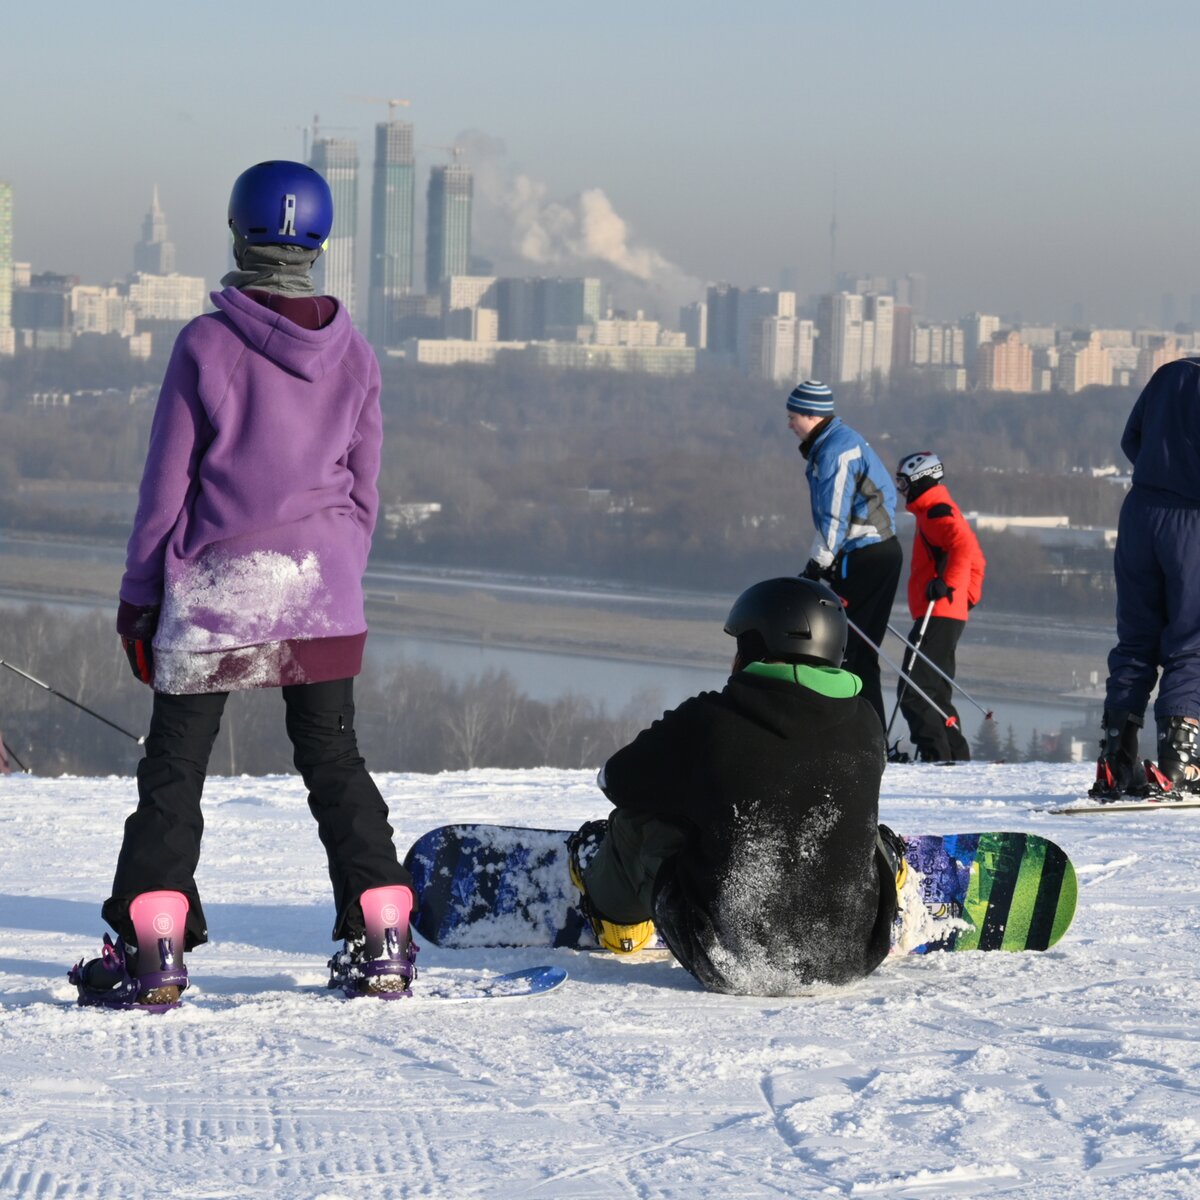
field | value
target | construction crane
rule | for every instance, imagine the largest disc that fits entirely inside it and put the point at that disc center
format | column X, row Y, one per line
column 312, row 133
column 392, row 104
column 455, row 151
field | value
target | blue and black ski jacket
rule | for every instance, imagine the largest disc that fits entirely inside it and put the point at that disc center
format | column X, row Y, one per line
column 1162, row 435
column 852, row 494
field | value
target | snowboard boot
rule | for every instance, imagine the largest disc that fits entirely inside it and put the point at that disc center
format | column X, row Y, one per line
column 126, row 977
column 381, row 961
column 582, row 846
column 891, row 845
column 1178, row 767
column 1117, row 767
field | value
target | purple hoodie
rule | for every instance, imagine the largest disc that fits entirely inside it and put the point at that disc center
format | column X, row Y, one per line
column 258, row 501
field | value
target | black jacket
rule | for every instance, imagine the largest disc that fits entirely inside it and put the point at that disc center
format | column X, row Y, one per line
column 779, row 886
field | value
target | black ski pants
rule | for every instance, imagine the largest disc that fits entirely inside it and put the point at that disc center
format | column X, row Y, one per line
column 161, row 848
column 867, row 580
column 934, row 740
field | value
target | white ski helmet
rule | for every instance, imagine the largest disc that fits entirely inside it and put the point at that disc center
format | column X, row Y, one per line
column 923, row 464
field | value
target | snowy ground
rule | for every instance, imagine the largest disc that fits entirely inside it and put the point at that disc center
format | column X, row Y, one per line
column 1072, row 1073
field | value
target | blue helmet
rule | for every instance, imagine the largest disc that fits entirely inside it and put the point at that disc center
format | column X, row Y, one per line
column 281, row 203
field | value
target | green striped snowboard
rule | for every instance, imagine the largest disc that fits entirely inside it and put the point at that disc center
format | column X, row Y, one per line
column 984, row 891
column 494, row 885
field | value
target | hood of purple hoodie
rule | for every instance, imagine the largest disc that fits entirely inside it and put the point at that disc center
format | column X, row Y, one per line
column 309, row 353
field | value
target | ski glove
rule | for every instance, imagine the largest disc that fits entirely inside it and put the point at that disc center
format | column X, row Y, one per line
column 938, row 589
column 814, row 570
column 141, row 658
column 136, row 625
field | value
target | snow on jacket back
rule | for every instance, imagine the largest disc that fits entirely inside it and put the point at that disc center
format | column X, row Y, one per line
column 852, row 494
column 1162, row 435
column 778, row 886
column 944, row 547
column 258, row 499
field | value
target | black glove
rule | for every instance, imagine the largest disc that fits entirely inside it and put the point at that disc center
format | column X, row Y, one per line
column 136, row 625
column 141, row 658
column 814, row 570
column 938, row 589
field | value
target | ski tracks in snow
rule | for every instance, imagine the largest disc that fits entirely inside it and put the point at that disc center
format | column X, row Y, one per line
column 1068, row 1074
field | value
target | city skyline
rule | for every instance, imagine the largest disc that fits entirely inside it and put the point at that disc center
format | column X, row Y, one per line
column 1010, row 161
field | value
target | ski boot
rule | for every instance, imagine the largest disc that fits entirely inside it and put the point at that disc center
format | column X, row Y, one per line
column 382, row 961
column 582, row 846
column 891, row 845
column 1178, row 767
column 125, row 976
column 1116, row 768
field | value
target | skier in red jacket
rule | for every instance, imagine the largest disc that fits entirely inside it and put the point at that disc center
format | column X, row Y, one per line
column 945, row 583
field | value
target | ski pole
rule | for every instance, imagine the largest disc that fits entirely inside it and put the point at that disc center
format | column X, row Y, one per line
column 915, row 647
column 951, row 722
column 904, row 685
column 111, row 724
column 9, row 752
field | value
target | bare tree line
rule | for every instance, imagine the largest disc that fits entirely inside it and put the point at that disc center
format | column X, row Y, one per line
column 410, row 717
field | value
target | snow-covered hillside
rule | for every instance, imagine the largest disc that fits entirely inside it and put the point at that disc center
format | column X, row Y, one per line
column 1073, row 1073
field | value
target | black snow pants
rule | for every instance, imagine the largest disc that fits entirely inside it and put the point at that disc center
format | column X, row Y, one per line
column 867, row 581
column 934, row 740
column 161, row 848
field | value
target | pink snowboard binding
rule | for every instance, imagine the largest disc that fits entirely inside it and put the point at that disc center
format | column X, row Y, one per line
column 149, row 975
column 381, row 962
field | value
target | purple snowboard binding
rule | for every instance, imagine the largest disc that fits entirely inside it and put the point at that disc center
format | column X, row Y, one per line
column 151, row 979
column 381, row 962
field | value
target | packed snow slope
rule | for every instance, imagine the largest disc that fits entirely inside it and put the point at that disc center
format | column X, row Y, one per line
column 1072, row 1073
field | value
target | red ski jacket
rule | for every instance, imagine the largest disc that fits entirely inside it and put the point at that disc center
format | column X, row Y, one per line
column 945, row 547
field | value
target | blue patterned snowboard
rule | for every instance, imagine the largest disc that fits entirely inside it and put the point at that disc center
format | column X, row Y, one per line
column 503, row 886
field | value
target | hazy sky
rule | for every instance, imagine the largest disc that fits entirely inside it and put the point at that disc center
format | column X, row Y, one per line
column 1027, row 157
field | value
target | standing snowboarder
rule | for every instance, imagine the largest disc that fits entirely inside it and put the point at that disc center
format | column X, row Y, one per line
column 244, row 570
column 854, row 510
column 1158, row 592
column 945, row 582
column 746, row 820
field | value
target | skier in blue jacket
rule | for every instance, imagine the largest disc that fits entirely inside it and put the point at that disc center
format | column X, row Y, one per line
column 1157, row 566
column 854, row 510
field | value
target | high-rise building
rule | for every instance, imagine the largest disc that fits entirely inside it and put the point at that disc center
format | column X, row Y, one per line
column 154, row 254
column 840, row 319
column 880, row 311
column 565, row 304
column 7, row 338
column 448, row 231
column 1085, row 365
column 337, row 160
column 755, row 305
column 1005, row 364
column 722, row 323
column 978, row 329
column 693, row 321
column 393, row 192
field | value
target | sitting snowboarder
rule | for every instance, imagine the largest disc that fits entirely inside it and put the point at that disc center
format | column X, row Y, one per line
column 746, row 820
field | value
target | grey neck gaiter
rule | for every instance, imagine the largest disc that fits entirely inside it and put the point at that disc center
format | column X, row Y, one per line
column 285, row 270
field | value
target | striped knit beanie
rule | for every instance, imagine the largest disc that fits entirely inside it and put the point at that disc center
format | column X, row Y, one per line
column 812, row 398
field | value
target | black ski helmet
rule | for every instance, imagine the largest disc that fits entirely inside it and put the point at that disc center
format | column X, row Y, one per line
column 791, row 619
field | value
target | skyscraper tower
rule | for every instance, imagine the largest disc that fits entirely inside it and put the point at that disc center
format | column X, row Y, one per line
column 448, row 232
column 393, row 191
column 337, row 160
column 154, row 255
column 6, row 274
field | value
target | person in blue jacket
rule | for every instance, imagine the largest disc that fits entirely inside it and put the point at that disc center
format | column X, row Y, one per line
column 1157, row 567
column 854, row 510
